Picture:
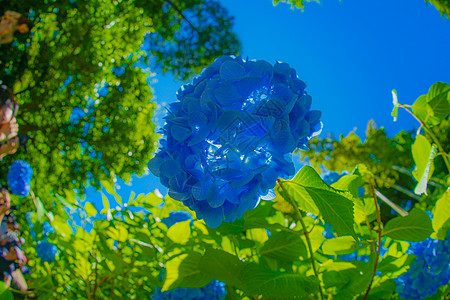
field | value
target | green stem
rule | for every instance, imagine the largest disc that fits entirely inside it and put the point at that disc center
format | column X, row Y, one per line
column 431, row 133
column 299, row 218
column 377, row 257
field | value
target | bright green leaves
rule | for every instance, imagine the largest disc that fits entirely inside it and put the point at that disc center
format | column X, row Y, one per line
column 441, row 217
column 223, row 266
column 284, row 246
column 196, row 270
column 434, row 106
column 180, row 232
column 423, row 154
column 183, row 271
column 438, row 100
column 415, row 227
column 340, row 245
column 280, row 285
column 312, row 194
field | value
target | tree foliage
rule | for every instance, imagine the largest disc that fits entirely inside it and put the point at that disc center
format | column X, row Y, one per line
column 87, row 121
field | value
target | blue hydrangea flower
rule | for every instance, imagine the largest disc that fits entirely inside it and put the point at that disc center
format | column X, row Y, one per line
column 230, row 136
column 215, row 290
column 19, row 177
column 46, row 251
column 175, row 217
column 428, row 272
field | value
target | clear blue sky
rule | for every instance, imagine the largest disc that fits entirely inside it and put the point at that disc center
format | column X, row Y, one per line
column 351, row 54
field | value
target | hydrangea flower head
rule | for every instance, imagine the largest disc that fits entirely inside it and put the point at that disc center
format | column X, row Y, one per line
column 19, row 177
column 230, row 136
column 46, row 251
column 175, row 217
column 428, row 272
column 215, row 290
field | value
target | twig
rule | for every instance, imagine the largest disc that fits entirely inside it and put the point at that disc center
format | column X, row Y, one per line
column 395, row 207
column 377, row 256
column 400, row 189
column 299, row 218
column 183, row 16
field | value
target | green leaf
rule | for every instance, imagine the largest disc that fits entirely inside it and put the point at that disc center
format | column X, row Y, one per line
column 349, row 183
column 262, row 223
column 395, row 103
column 441, row 216
column 415, row 227
column 222, row 266
column 438, row 99
column 336, row 273
column 423, row 154
column 394, row 264
column 281, row 285
column 309, row 190
column 180, row 232
column 359, row 281
column 183, row 271
column 110, row 189
column 4, row 292
column 119, row 233
column 284, row 246
column 105, row 204
column 340, row 245
column 420, row 108
column 90, row 209
column 380, row 291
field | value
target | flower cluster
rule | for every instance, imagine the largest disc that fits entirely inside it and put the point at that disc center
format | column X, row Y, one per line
column 175, row 217
column 231, row 134
column 428, row 272
column 46, row 251
column 19, row 177
column 215, row 290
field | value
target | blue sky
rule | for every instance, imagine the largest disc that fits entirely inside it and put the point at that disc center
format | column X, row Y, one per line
column 350, row 53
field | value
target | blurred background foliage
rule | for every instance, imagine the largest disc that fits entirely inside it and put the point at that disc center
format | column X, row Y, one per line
column 79, row 80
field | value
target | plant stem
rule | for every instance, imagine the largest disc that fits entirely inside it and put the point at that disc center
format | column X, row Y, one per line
column 229, row 292
column 431, row 133
column 377, row 256
column 299, row 218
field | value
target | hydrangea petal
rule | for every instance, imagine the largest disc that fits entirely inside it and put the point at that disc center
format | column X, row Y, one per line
column 228, row 94
column 231, row 69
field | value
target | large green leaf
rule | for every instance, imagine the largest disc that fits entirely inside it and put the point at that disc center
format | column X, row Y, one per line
column 309, row 191
column 420, row 108
column 438, row 99
column 340, row 245
column 415, row 227
column 280, row 285
column 359, row 281
column 285, row 246
column 180, row 232
column 223, row 266
column 441, row 217
column 184, row 271
column 423, row 154
column 4, row 292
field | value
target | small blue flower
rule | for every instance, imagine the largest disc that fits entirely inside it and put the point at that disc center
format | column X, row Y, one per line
column 46, row 251
column 231, row 135
column 19, row 177
column 215, row 290
column 175, row 217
